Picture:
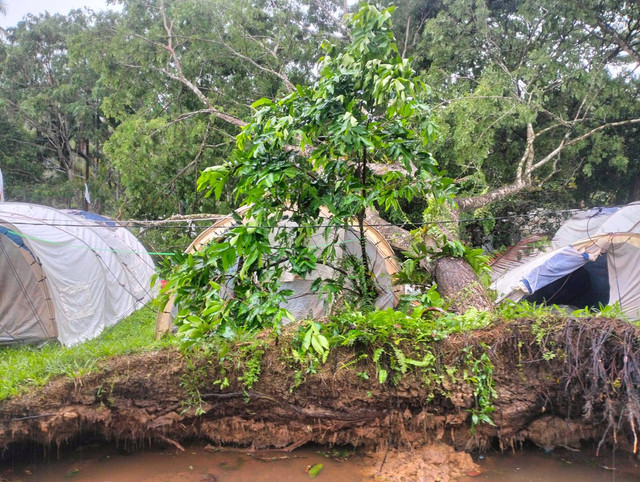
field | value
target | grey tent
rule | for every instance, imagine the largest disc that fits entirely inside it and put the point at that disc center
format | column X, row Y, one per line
column 66, row 277
column 595, row 259
column 304, row 303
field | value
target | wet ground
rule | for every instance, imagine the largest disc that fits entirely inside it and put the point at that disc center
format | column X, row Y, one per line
column 202, row 463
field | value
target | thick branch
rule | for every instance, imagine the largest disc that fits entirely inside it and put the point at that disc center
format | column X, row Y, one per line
column 475, row 202
column 186, row 82
column 406, row 37
column 380, row 169
column 523, row 173
column 620, row 42
column 523, row 178
column 290, row 87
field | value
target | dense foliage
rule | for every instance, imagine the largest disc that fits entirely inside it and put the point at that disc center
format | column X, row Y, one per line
column 138, row 101
column 305, row 160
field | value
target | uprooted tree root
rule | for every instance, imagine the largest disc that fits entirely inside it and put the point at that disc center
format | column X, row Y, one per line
column 558, row 382
column 603, row 370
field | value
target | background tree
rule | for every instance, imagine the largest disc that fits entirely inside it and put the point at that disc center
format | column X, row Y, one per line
column 526, row 93
column 17, row 151
column 55, row 101
column 183, row 75
column 531, row 92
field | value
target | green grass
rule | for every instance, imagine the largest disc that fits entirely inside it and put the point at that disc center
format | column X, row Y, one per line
column 22, row 367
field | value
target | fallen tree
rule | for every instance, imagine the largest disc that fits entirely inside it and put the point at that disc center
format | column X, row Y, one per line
column 557, row 382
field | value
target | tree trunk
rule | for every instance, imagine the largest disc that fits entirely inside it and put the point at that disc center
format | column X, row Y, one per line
column 460, row 286
column 456, row 280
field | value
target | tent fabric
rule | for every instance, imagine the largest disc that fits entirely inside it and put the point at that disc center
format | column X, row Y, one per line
column 538, row 273
column 18, row 241
column 581, row 226
column 620, row 273
column 625, row 220
column 624, row 273
column 303, row 303
column 564, row 261
column 91, row 216
column 93, row 277
column 597, row 221
column 26, row 310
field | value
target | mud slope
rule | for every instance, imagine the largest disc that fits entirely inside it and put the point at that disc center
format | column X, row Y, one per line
column 573, row 380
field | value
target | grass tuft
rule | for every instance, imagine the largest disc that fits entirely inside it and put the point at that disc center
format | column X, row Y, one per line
column 25, row 366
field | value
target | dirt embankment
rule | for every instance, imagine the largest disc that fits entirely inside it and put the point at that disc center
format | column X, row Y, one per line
column 556, row 385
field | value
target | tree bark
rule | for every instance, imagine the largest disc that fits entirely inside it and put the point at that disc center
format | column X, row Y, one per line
column 460, row 286
column 456, row 280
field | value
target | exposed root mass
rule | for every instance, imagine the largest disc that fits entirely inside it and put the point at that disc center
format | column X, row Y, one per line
column 557, row 383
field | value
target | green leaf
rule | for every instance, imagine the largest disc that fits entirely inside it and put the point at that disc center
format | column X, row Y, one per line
column 314, row 470
column 261, row 102
column 316, row 345
column 306, row 343
column 323, row 341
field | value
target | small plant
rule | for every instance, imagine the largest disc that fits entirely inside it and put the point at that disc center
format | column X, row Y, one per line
column 305, row 160
column 249, row 362
column 191, row 381
column 613, row 311
column 511, row 310
column 480, row 374
column 314, row 339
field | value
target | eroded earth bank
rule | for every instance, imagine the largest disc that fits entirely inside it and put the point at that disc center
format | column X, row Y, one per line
column 557, row 383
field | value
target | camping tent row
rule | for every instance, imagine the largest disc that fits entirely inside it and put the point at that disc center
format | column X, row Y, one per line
column 66, row 275
column 304, row 303
column 595, row 260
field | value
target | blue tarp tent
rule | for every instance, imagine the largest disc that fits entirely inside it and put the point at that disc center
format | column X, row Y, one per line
column 595, row 260
column 603, row 269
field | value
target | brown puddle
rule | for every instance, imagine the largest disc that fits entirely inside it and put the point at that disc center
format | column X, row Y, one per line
column 102, row 464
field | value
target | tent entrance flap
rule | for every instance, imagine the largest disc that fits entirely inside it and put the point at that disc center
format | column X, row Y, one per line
column 587, row 286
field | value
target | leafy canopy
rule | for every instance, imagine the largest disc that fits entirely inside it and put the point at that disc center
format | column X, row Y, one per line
column 312, row 148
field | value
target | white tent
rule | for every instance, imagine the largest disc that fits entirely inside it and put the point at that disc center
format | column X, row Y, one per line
column 66, row 277
column 596, row 221
column 304, row 303
column 595, row 260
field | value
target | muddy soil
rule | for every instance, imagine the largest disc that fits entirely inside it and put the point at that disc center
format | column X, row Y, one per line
column 571, row 381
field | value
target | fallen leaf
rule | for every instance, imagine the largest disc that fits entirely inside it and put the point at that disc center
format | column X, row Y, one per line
column 314, row 470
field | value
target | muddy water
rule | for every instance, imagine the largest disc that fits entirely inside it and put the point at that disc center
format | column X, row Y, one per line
column 201, row 465
column 559, row 466
column 194, row 464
